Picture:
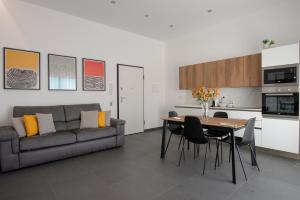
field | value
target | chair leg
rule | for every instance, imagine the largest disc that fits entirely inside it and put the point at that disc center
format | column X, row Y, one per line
column 168, row 142
column 252, row 152
column 194, row 151
column 217, row 155
column 204, row 165
column 181, row 153
column 221, row 152
column 218, row 145
column 180, row 141
column 188, row 145
column 237, row 148
column 230, row 152
column 209, row 145
column 198, row 150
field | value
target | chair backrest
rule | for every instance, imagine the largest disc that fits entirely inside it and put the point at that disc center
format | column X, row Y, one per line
column 219, row 131
column 193, row 129
column 221, row 115
column 173, row 126
column 248, row 136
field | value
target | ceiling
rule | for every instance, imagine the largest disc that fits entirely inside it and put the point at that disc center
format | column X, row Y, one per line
column 166, row 19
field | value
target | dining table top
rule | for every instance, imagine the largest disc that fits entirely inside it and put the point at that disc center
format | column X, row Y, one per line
column 212, row 121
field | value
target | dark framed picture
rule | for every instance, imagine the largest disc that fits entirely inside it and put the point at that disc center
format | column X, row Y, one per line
column 21, row 69
column 62, row 72
column 93, row 75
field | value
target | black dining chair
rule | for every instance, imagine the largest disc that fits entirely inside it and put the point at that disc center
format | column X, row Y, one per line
column 246, row 140
column 175, row 129
column 218, row 134
column 193, row 132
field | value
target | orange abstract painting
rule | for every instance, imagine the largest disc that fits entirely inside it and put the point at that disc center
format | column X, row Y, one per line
column 21, row 69
column 93, row 75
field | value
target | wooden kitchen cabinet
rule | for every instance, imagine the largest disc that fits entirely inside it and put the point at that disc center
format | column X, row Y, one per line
column 252, row 70
column 221, row 74
column 187, row 77
column 234, row 75
column 210, row 74
column 199, row 76
column 183, row 76
column 244, row 71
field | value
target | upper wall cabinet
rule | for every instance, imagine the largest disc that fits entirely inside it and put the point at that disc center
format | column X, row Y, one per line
column 283, row 55
column 242, row 71
column 252, row 70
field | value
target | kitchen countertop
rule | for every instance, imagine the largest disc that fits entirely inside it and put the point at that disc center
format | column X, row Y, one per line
column 252, row 109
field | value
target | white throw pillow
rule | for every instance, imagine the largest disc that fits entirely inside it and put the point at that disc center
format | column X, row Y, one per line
column 89, row 119
column 107, row 117
column 46, row 123
column 18, row 125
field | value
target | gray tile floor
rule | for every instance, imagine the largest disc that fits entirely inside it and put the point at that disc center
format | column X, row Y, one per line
column 136, row 172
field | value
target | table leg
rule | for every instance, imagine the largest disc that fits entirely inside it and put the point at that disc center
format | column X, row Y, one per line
column 232, row 145
column 163, row 141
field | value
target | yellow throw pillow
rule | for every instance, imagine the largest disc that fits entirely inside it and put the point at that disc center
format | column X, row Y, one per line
column 31, row 125
column 101, row 119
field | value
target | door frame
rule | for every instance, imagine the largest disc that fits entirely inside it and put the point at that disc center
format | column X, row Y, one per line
column 118, row 92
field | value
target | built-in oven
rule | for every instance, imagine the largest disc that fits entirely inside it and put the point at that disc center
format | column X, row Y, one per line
column 280, row 101
column 284, row 75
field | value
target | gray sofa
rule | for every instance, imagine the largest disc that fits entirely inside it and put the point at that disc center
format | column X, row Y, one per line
column 68, row 141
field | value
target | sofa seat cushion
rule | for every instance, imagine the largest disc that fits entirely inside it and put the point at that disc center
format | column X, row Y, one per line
column 94, row 133
column 48, row 140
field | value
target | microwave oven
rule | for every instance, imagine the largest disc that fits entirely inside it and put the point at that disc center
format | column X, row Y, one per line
column 285, row 75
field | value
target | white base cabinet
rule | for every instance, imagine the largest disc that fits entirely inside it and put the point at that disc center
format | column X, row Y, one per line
column 281, row 134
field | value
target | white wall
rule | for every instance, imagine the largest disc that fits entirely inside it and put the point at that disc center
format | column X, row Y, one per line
column 30, row 27
column 238, row 37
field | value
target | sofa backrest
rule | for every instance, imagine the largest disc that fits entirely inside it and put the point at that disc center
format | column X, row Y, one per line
column 65, row 117
column 72, row 113
column 58, row 113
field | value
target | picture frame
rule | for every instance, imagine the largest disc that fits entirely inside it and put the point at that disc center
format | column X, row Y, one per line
column 93, row 75
column 62, row 73
column 21, row 69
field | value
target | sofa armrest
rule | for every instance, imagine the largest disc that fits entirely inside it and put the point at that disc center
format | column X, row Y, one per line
column 119, row 125
column 8, row 133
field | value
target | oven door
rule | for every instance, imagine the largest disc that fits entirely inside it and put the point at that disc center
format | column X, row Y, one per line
column 280, row 75
column 280, row 104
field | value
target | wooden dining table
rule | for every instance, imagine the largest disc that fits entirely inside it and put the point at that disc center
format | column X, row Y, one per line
column 207, row 122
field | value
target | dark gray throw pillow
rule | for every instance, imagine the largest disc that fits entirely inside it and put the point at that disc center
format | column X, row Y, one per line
column 89, row 119
column 46, row 123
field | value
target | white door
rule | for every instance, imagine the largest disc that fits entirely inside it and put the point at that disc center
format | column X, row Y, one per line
column 131, row 98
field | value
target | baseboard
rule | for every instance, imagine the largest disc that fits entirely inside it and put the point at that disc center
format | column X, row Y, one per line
column 153, row 129
column 278, row 153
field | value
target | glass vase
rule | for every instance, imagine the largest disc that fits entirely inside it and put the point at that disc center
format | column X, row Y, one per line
column 205, row 109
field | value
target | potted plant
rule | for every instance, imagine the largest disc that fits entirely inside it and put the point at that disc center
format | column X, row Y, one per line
column 204, row 95
column 267, row 43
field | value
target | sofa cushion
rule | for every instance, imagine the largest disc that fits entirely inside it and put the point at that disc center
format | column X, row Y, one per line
column 48, row 140
column 94, row 133
column 57, row 112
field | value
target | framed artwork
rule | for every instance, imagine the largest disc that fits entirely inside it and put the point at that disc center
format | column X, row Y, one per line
column 93, row 72
column 21, row 69
column 62, row 72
